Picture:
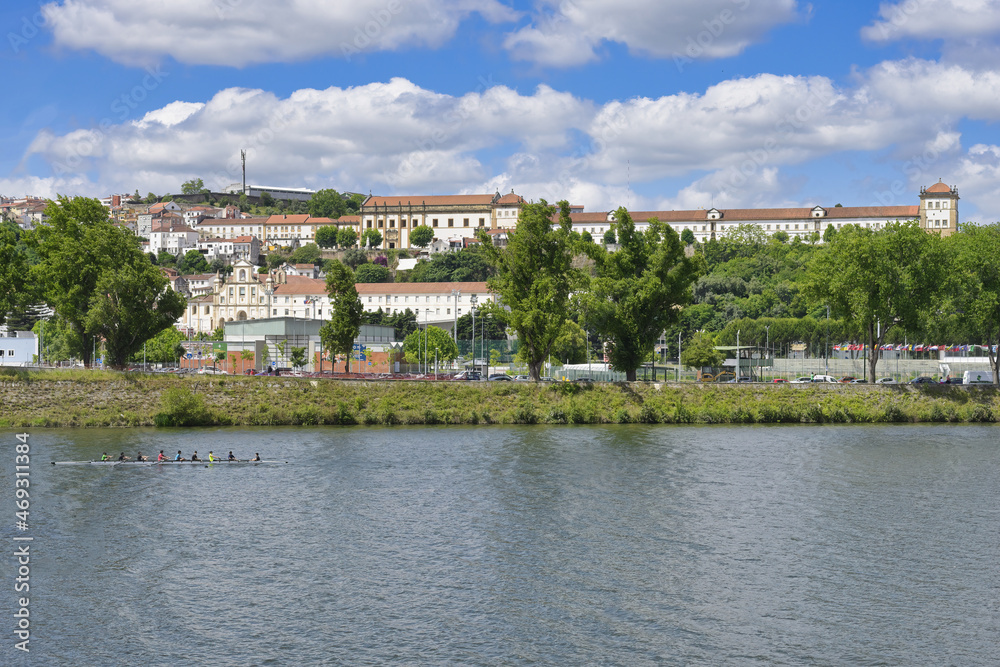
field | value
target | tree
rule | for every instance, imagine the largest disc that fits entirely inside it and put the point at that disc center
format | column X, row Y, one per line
column 347, row 237
column 164, row 258
column 638, row 290
column 327, row 204
column 307, row 254
column 781, row 236
column 326, row 236
column 466, row 265
column 372, row 238
column 422, row 236
column 266, row 199
column 58, row 341
column 192, row 187
column 609, row 237
column 432, row 338
column 571, row 345
column 338, row 334
column 355, row 257
column 687, row 236
column 700, row 352
column 829, row 233
column 298, row 357
column 976, row 249
column 372, row 273
column 534, row 278
column 246, row 356
column 586, row 237
column 192, row 262
column 879, row 280
column 161, row 348
column 130, row 305
column 13, row 271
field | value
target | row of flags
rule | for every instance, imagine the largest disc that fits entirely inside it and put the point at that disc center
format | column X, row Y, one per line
column 857, row 347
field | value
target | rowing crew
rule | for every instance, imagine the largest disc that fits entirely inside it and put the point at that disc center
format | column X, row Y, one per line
column 161, row 457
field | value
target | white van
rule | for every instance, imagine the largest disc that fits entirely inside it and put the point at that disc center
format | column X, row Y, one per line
column 824, row 378
column 977, row 377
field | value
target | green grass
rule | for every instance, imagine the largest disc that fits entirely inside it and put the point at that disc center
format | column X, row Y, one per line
column 80, row 398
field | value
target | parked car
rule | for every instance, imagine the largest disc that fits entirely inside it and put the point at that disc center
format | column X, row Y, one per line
column 210, row 370
column 859, row 381
column 824, row 378
column 779, row 380
column 522, row 378
column 546, row 378
column 923, row 379
column 500, row 377
column 467, row 375
column 886, row 381
column 741, row 379
column 847, row 379
column 952, row 380
column 801, row 380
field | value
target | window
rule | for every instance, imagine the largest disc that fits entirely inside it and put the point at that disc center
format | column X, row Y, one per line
column 482, row 222
column 396, row 300
column 194, row 310
column 369, row 299
column 243, row 291
column 402, row 223
column 451, row 222
column 465, row 222
column 286, row 299
column 286, row 311
column 392, row 223
column 434, row 222
column 208, row 310
column 380, row 223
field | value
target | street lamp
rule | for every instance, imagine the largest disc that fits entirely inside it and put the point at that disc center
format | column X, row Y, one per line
column 458, row 295
column 473, row 300
column 435, row 363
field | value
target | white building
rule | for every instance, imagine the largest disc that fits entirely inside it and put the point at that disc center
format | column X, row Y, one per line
column 176, row 240
column 18, row 348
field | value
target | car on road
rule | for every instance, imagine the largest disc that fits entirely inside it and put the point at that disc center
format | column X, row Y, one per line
column 211, row 370
column 546, row 378
column 952, row 380
column 741, row 380
column 801, row 380
column 859, row 381
column 522, row 378
column 779, row 380
column 824, row 378
column 500, row 377
column 847, row 379
column 886, row 381
column 467, row 375
column 923, row 379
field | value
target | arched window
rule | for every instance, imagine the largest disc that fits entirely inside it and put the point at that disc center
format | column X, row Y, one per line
column 243, row 275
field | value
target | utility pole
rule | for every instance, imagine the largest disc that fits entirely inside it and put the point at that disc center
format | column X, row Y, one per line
column 243, row 159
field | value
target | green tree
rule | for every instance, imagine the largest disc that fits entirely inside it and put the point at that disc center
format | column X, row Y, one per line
column 58, row 342
column 338, row 334
column 467, row 265
column 586, row 237
column 164, row 258
column 14, row 286
column 829, row 233
column 131, row 304
column 687, row 236
column 162, row 347
column 879, row 280
column 192, row 262
column 372, row 273
column 194, row 186
column 151, row 198
column 976, row 291
column 246, row 357
column 638, row 290
column 372, row 238
column 355, row 257
column 609, row 237
column 700, row 352
column 307, row 254
column 436, row 339
column 266, row 199
column 421, row 236
column 571, row 345
column 327, row 204
column 780, row 236
column 326, row 236
column 347, row 237
column 354, row 203
column 298, row 357
column 534, row 278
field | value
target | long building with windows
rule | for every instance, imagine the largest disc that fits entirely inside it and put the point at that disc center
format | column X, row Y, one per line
column 937, row 212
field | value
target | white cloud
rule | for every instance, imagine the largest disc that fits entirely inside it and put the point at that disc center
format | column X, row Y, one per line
column 935, row 19
column 570, row 32
column 929, row 88
column 977, row 173
column 244, row 32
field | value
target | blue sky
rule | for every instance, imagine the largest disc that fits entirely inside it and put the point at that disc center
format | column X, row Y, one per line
column 677, row 104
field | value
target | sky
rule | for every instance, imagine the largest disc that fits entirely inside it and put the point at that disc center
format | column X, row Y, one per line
column 652, row 105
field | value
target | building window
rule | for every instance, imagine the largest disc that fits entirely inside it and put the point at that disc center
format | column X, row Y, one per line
column 369, row 299
column 482, row 222
column 451, row 222
column 392, row 223
column 402, row 222
column 434, row 222
column 466, row 222
column 286, row 311
column 380, row 223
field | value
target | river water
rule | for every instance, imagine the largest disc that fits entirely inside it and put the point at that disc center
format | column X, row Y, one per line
column 625, row 545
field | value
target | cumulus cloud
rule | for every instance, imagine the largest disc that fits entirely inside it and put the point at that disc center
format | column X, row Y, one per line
column 935, row 19
column 734, row 144
column 570, row 32
column 245, row 32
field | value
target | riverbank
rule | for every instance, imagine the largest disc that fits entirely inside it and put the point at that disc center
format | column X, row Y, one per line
column 91, row 399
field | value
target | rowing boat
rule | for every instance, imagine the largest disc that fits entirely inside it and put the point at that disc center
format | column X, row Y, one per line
column 160, row 463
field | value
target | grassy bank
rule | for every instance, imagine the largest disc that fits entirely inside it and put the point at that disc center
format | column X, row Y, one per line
column 97, row 399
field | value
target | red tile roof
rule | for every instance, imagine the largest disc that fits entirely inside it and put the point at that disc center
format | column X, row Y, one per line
column 432, row 200
column 939, row 187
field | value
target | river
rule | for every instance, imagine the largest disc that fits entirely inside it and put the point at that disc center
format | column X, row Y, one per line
column 626, row 545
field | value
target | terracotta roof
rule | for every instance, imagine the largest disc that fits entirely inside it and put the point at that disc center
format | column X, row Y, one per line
column 939, row 187
column 233, row 221
column 321, row 221
column 201, row 276
column 301, row 285
column 348, row 220
column 432, row 200
column 887, row 212
column 754, row 214
column 243, row 239
column 305, row 266
column 287, row 219
column 510, row 198
column 587, row 218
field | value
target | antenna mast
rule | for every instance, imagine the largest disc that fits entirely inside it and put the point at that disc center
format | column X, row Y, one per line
column 243, row 159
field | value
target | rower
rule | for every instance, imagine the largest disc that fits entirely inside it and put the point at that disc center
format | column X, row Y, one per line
column 161, row 457
column 256, row 457
column 231, row 457
column 140, row 457
column 194, row 457
column 211, row 457
column 122, row 457
column 179, row 457
column 105, row 457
